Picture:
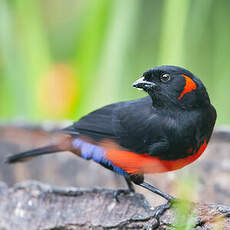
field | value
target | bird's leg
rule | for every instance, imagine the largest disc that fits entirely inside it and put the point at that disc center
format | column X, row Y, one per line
column 162, row 208
column 138, row 179
column 125, row 191
column 130, row 184
column 157, row 191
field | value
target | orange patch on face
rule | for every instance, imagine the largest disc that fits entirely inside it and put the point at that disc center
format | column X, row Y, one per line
column 189, row 86
column 134, row 163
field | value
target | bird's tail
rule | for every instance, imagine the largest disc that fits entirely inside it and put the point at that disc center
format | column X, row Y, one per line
column 23, row 156
column 61, row 142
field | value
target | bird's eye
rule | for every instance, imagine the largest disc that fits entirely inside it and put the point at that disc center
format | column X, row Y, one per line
column 165, row 77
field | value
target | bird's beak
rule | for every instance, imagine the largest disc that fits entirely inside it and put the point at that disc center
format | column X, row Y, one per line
column 141, row 84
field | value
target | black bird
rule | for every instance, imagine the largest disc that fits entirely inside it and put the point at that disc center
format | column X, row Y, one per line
column 161, row 132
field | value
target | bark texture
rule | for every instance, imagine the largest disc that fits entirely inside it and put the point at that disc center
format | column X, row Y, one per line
column 33, row 205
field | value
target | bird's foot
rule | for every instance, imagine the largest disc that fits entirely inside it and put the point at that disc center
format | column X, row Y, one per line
column 161, row 209
column 118, row 192
column 158, row 213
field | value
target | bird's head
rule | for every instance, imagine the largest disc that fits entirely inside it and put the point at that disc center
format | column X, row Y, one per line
column 173, row 85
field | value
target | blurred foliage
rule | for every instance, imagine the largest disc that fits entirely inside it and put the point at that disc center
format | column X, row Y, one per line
column 186, row 188
column 60, row 59
column 186, row 215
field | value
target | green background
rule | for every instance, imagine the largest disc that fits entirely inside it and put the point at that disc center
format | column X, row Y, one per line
column 60, row 59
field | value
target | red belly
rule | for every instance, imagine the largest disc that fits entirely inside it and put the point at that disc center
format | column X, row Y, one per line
column 134, row 163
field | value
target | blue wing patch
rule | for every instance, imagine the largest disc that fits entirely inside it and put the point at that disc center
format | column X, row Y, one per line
column 96, row 153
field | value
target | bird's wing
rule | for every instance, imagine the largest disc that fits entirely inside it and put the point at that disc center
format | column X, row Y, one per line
column 128, row 129
column 126, row 123
column 97, row 125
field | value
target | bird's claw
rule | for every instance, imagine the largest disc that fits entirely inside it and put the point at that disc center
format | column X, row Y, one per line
column 158, row 213
column 161, row 209
column 119, row 192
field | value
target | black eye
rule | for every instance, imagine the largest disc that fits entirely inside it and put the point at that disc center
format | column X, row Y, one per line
column 165, row 77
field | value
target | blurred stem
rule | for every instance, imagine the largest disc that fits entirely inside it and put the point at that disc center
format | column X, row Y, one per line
column 14, row 91
column 221, row 62
column 121, row 29
column 91, row 38
column 187, row 191
column 174, row 18
column 34, row 48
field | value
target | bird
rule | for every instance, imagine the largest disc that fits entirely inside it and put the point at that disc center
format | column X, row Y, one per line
column 164, row 131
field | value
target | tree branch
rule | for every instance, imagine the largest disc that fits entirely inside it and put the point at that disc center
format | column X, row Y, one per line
column 33, row 205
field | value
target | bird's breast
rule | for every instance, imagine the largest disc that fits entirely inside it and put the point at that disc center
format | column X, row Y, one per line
column 125, row 162
column 133, row 163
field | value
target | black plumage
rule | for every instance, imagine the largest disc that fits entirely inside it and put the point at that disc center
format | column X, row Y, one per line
column 175, row 121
